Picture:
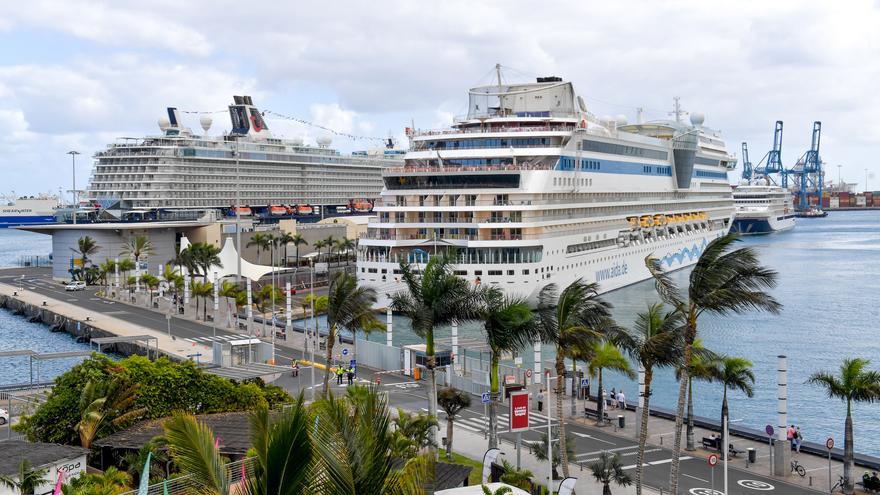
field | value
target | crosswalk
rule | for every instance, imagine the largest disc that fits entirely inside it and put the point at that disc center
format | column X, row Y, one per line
column 216, row 338
column 480, row 424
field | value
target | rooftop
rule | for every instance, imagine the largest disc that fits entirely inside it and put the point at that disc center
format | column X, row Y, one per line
column 233, row 429
column 12, row 452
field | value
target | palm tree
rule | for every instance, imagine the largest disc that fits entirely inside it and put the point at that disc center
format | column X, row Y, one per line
column 734, row 373
column 432, row 298
column 722, row 282
column 854, row 383
column 520, row 478
column 111, row 482
column 135, row 461
column 258, row 240
column 297, row 240
column 125, row 265
column 108, row 267
column 572, row 319
column 412, row 433
column 173, row 279
column 284, row 240
column 136, row 247
column 265, row 300
column 202, row 290
column 229, row 291
column 151, row 282
column 700, row 369
column 349, row 306
column 502, row 490
column 345, row 245
column 330, row 243
column 452, row 401
column 606, row 356
column 27, row 480
column 319, row 245
column 203, row 257
column 105, row 403
column 539, row 448
column 510, row 326
column 607, row 469
column 86, row 247
column 655, row 342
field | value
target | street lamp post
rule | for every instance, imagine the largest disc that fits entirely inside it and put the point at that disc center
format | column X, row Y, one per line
column 237, row 214
column 73, row 154
column 313, row 338
column 839, row 182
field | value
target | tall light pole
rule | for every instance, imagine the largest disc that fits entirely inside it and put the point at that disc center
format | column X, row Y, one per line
column 73, row 154
column 839, row 182
column 866, row 179
column 237, row 215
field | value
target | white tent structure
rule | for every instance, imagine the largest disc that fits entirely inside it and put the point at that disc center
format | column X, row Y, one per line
column 229, row 263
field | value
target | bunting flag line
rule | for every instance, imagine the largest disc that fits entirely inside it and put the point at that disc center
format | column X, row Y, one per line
column 145, row 476
column 354, row 137
column 59, row 483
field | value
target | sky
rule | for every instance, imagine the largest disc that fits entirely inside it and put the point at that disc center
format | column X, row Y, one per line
column 77, row 75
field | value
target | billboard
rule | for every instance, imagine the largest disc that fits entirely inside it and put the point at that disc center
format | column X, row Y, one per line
column 519, row 411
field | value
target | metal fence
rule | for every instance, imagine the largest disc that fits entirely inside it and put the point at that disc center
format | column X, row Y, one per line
column 17, row 404
column 379, row 356
column 188, row 484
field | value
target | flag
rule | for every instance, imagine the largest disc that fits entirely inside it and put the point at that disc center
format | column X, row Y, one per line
column 243, row 474
column 145, row 476
column 58, row 483
column 216, row 442
column 165, row 486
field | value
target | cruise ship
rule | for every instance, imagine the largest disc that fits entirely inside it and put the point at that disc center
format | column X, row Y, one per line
column 529, row 188
column 181, row 170
column 762, row 208
column 30, row 210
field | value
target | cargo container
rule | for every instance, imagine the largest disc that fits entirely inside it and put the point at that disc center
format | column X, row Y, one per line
column 834, row 202
column 860, row 201
column 877, row 200
column 826, row 202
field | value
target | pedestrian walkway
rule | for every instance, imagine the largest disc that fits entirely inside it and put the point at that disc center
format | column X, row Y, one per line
column 480, row 424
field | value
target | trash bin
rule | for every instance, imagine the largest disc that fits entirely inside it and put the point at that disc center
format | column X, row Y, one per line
column 753, row 455
column 417, row 374
column 621, row 421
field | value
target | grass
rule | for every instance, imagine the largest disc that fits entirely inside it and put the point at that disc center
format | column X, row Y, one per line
column 476, row 475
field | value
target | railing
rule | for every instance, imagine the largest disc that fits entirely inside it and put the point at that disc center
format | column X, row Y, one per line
column 486, row 130
column 457, row 168
column 188, row 484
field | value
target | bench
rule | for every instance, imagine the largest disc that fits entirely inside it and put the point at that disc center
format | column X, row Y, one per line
column 594, row 414
column 715, row 444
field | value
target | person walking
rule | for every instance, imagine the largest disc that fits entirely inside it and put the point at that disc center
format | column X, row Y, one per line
column 295, row 367
column 612, row 402
column 339, row 375
column 790, row 436
column 798, row 438
column 540, row 399
column 621, row 400
column 350, row 373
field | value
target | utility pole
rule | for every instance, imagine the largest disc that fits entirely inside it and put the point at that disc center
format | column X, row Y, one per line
column 73, row 154
column 839, row 181
column 237, row 214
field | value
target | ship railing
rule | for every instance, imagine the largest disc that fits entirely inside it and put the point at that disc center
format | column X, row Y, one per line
column 496, row 114
column 493, row 129
column 410, row 169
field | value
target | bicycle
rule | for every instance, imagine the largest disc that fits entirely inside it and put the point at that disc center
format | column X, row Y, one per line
column 839, row 484
column 796, row 467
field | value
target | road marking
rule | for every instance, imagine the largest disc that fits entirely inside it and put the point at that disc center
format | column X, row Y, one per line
column 618, row 449
column 657, row 463
column 704, row 491
column 584, row 435
column 694, row 477
column 755, row 485
column 815, row 469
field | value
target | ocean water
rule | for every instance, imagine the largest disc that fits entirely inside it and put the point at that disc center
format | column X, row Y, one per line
column 16, row 243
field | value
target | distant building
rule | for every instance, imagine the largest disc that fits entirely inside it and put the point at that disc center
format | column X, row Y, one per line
column 53, row 457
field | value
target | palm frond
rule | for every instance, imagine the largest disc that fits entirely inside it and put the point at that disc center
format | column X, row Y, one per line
column 191, row 444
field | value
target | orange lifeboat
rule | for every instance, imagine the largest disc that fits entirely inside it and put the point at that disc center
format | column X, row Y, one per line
column 277, row 211
column 304, row 210
column 363, row 206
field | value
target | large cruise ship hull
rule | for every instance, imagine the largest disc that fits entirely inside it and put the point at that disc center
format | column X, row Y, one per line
column 758, row 225
column 612, row 268
column 15, row 221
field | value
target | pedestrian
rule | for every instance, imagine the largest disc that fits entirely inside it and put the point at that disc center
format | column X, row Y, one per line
column 621, row 400
column 295, row 367
column 540, row 400
column 790, row 436
column 339, row 375
column 612, row 398
column 798, row 438
column 350, row 375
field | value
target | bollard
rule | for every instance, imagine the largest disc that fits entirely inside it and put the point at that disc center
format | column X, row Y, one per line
column 621, row 421
column 811, row 480
column 44, row 303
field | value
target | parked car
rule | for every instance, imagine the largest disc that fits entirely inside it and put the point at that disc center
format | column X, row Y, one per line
column 4, row 416
column 75, row 285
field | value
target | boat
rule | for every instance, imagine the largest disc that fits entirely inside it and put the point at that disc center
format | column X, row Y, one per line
column 530, row 189
column 762, row 208
column 304, row 210
column 28, row 210
column 277, row 210
column 811, row 212
column 363, row 206
column 187, row 170
column 243, row 211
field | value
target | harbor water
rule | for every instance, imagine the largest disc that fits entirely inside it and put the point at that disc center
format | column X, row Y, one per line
column 829, row 279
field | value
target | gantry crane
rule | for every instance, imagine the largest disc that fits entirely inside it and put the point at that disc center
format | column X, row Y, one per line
column 772, row 161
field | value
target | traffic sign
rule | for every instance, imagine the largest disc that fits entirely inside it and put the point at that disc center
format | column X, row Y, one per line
column 517, row 360
column 345, row 352
column 519, row 411
column 484, row 398
column 769, row 430
column 528, row 373
column 829, row 444
column 585, row 382
column 713, row 460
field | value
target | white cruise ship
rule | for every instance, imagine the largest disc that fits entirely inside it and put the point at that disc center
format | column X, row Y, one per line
column 762, row 208
column 529, row 189
column 181, row 170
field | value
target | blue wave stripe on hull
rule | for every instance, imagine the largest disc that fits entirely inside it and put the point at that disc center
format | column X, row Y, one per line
column 692, row 253
column 751, row 226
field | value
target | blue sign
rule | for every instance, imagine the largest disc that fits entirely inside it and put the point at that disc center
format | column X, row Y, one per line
column 485, row 398
column 345, row 352
column 585, row 382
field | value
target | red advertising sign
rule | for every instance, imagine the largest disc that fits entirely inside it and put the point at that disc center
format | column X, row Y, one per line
column 519, row 411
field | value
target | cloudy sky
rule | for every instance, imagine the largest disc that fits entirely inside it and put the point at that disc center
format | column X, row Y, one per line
column 78, row 74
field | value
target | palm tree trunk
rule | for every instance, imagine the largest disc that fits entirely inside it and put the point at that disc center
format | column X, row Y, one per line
column 449, row 437
column 606, row 489
column 574, row 388
column 432, row 399
column 560, row 386
column 643, row 434
column 331, row 339
column 848, row 449
column 690, row 446
column 493, row 402
column 674, row 468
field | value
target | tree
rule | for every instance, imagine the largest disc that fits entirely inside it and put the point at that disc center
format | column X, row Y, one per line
column 330, row 244
column 452, row 401
column 107, row 269
column 202, row 290
column 111, row 482
column 125, row 265
column 136, row 247
column 734, row 373
column 520, row 478
column 349, row 306
column 607, row 469
column 502, row 490
column 655, row 342
column 319, row 245
column 510, row 326
column 86, row 247
column 700, row 368
column 258, row 240
column 722, row 282
column 27, row 480
column 106, row 402
column 412, row 432
column 540, row 450
column 297, row 240
column 202, row 256
column 265, row 300
column 571, row 319
column 854, row 383
column 606, row 356
column 136, row 460
column 345, row 245
column 284, row 240
column 229, row 291
column 432, row 298
column 151, row 282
